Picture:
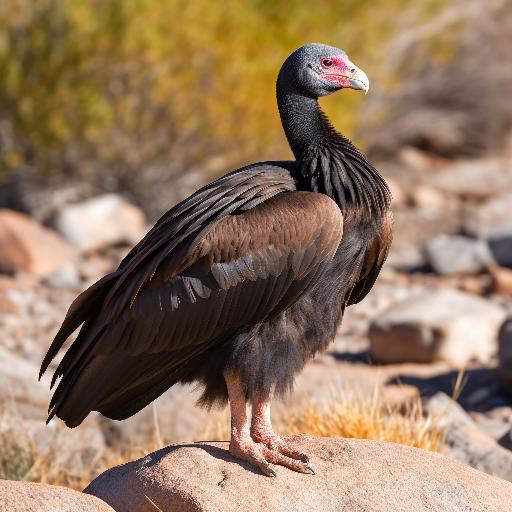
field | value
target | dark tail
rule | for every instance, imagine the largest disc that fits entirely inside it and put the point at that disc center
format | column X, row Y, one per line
column 86, row 306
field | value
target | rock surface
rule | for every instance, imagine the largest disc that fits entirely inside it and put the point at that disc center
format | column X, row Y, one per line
column 25, row 246
column 36, row 497
column 501, row 280
column 101, row 221
column 492, row 219
column 466, row 442
column 477, row 179
column 444, row 325
column 428, row 198
column 452, row 254
column 350, row 475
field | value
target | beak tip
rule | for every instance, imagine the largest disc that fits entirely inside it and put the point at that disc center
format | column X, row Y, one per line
column 359, row 80
column 360, row 85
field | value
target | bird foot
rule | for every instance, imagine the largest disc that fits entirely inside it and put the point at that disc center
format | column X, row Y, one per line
column 269, row 451
column 287, row 445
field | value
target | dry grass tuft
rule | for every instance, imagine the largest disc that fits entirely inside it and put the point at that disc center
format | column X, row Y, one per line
column 354, row 414
column 347, row 414
column 21, row 460
column 361, row 416
column 27, row 455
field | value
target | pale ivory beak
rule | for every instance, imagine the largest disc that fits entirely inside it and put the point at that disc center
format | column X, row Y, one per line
column 358, row 80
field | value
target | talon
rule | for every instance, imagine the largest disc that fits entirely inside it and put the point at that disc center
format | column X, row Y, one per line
column 304, row 458
column 271, row 473
column 310, row 470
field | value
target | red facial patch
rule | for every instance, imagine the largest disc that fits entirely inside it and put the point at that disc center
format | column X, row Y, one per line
column 334, row 68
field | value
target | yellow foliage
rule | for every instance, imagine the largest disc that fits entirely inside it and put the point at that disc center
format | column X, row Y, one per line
column 125, row 84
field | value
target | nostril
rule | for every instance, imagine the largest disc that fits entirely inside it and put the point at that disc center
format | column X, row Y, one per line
column 353, row 70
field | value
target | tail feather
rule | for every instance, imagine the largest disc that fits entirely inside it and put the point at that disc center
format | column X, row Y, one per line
column 120, row 386
column 85, row 306
column 117, row 388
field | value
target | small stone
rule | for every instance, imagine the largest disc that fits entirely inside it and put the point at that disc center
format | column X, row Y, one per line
column 501, row 280
column 19, row 384
column 405, row 256
column 491, row 219
column 95, row 266
column 65, row 277
column 401, row 396
column 453, row 254
column 465, row 442
column 415, row 158
column 25, row 246
column 476, row 285
column 428, row 198
column 9, row 301
column 474, row 180
column 101, row 222
column 444, row 325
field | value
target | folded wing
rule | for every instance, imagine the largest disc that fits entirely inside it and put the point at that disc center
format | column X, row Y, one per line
column 229, row 257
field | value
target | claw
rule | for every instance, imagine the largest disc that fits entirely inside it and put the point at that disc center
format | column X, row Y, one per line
column 271, row 473
column 304, row 458
column 310, row 470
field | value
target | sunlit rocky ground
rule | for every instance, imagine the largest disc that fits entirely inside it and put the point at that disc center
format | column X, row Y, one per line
column 434, row 328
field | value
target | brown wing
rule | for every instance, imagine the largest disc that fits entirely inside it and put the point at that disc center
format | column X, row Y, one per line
column 238, row 270
column 172, row 236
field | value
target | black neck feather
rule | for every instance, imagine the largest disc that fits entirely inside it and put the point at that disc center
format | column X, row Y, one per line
column 329, row 162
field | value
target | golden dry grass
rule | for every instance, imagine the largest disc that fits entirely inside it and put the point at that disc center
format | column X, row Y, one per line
column 21, row 460
column 356, row 414
column 347, row 414
column 361, row 416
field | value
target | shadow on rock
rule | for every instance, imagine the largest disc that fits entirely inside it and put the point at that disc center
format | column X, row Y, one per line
column 477, row 390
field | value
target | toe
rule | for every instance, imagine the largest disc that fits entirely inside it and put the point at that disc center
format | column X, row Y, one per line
column 252, row 453
column 274, row 451
column 279, row 459
column 286, row 445
column 292, row 453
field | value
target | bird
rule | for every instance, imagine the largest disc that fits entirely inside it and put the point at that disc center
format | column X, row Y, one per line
column 240, row 284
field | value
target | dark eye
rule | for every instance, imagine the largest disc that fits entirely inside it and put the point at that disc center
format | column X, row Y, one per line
column 326, row 63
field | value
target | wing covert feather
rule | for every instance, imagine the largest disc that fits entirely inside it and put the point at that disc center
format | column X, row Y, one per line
column 239, row 272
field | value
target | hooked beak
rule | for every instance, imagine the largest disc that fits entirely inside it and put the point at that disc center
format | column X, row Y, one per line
column 358, row 80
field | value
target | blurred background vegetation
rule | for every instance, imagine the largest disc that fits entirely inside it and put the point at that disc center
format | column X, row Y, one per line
column 153, row 97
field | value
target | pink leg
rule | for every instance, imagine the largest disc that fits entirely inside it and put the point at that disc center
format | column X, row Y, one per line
column 262, row 432
column 243, row 446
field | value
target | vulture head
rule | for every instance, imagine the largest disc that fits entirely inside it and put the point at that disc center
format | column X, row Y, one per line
column 319, row 70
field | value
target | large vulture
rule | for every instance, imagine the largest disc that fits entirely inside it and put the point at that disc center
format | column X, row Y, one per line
column 240, row 284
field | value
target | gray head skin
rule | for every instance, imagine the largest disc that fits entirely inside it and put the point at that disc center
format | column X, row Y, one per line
column 312, row 71
column 319, row 70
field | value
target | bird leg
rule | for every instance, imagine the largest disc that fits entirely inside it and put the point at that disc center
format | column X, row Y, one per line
column 263, row 432
column 243, row 446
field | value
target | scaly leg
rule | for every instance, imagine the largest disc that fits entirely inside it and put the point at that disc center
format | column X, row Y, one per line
column 243, row 446
column 262, row 432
